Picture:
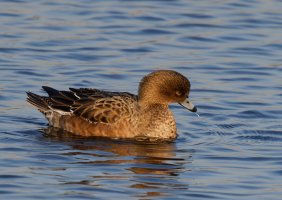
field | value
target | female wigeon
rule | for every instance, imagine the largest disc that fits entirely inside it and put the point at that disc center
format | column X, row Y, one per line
column 93, row 112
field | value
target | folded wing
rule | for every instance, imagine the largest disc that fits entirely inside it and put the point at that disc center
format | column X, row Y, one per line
column 95, row 106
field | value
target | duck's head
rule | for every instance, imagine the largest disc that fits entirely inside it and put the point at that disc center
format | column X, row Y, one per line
column 165, row 87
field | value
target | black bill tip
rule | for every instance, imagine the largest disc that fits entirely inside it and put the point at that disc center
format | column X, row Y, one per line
column 194, row 109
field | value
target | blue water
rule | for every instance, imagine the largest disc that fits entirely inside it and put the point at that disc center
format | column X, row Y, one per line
column 230, row 50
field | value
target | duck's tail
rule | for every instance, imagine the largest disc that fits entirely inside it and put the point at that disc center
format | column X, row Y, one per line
column 38, row 101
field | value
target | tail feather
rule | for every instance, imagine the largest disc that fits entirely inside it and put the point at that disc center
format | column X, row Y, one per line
column 37, row 101
column 51, row 91
column 66, row 95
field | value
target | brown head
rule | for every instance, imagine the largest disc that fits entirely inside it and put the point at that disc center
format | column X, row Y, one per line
column 165, row 87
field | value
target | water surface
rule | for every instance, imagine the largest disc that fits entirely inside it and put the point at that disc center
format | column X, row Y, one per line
column 231, row 52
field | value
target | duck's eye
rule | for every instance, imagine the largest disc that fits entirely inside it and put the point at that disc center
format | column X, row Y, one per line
column 178, row 93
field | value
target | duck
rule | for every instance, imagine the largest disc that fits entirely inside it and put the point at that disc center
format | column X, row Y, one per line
column 91, row 112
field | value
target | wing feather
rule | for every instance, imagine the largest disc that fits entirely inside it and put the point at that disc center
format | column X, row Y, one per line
column 93, row 105
column 105, row 110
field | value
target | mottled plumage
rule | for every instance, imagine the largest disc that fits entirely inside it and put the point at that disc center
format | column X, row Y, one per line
column 93, row 112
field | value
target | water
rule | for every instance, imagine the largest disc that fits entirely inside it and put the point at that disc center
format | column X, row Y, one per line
column 231, row 52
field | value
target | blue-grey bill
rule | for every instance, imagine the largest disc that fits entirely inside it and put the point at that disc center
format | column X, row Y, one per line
column 188, row 104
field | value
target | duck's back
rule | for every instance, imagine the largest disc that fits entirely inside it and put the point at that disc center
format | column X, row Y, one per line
column 89, row 112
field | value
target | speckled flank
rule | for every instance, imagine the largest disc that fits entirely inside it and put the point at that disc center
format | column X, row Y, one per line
column 92, row 112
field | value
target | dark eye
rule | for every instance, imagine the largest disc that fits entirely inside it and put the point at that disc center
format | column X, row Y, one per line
column 178, row 93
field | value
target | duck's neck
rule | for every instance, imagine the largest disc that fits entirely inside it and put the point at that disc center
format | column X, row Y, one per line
column 148, row 104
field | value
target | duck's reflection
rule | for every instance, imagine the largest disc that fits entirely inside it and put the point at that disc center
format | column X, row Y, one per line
column 153, row 168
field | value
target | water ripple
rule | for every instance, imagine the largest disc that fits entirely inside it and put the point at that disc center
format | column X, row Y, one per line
column 231, row 52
